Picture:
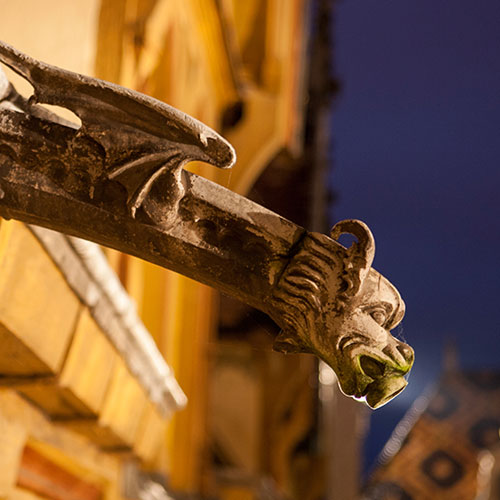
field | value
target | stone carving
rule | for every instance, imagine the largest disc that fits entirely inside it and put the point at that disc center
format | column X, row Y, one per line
column 118, row 180
column 332, row 303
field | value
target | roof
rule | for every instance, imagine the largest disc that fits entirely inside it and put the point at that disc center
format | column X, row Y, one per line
column 436, row 450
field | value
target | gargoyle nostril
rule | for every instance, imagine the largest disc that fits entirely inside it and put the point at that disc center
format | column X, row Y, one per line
column 371, row 367
column 406, row 351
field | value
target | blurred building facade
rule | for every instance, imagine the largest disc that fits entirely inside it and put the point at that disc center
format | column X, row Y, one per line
column 76, row 406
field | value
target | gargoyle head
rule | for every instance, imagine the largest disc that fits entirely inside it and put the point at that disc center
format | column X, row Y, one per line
column 333, row 304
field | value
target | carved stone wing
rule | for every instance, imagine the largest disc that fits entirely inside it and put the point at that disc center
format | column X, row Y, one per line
column 140, row 137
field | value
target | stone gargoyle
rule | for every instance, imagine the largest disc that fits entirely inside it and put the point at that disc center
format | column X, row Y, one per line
column 118, row 180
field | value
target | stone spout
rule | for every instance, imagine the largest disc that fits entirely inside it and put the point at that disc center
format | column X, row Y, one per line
column 118, row 180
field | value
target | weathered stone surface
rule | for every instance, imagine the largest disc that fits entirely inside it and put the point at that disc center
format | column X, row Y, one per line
column 118, row 180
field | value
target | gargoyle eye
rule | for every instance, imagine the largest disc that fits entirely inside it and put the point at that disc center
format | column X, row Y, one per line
column 379, row 315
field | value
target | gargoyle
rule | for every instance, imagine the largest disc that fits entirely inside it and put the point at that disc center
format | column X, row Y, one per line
column 332, row 303
column 118, row 180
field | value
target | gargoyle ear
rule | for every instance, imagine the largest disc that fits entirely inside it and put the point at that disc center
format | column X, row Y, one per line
column 360, row 254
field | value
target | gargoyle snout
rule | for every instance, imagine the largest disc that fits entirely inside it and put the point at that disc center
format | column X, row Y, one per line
column 407, row 352
column 401, row 353
column 387, row 375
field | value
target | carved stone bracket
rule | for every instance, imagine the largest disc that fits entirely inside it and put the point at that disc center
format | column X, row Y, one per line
column 118, row 180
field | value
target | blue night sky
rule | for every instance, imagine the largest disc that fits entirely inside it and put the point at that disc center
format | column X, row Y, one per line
column 416, row 153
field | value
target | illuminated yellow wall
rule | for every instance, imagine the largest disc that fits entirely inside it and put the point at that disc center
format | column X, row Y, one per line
column 201, row 56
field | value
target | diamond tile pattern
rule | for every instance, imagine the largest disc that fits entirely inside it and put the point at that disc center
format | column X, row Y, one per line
column 437, row 456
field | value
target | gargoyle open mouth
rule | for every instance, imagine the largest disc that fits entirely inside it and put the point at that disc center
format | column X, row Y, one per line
column 387, row 380
column 377, row 375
